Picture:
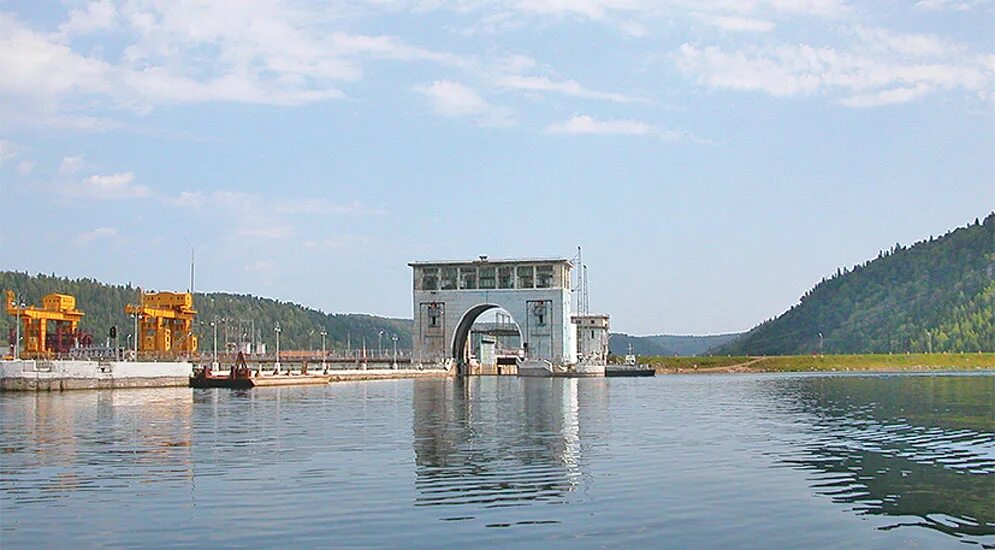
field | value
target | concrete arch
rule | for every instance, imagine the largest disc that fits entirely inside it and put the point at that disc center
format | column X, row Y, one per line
column 465, row 325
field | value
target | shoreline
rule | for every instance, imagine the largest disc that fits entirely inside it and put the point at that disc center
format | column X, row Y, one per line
column 823, row 363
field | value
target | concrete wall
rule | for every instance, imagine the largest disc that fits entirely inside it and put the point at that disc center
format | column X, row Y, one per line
column 66, row 375
column 543, row 316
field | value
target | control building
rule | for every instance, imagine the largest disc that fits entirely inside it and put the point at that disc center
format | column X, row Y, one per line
column 450, row 295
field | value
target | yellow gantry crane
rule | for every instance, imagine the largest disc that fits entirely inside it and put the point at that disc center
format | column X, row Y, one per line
column 165, row 322
column 39, row 342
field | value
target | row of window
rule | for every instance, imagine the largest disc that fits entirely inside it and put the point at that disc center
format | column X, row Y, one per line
column 473, row 278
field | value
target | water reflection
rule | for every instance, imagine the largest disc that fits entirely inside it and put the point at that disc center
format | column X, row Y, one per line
column 118, row 437
column 916, row 448
column 494, row 442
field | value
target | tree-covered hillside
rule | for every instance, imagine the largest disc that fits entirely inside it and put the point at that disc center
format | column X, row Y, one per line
column 668, row 344
column 620, row 344
column 300, row 326
column 938, row 294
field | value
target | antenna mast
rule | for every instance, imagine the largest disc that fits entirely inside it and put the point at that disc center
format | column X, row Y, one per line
column 587, row 296
column 192, row 258
column 580, row 281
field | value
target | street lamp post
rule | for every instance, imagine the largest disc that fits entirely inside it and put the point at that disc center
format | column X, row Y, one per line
column 394, row 338
column 17, row 331
column 820, row 343
column 380, row 345
column 214, row 325
column 323, row 334
column 276, row 365
column 136, row 316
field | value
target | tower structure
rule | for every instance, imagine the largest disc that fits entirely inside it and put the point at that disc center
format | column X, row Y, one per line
column 165, row 321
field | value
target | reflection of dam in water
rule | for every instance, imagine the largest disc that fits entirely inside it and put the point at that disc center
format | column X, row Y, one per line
column 518, row 445
column 912, row 448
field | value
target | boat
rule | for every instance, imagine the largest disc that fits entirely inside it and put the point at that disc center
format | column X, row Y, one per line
column 239, row 377
column 630, row 367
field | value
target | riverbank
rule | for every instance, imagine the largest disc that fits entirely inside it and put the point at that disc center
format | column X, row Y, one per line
column 822, row 363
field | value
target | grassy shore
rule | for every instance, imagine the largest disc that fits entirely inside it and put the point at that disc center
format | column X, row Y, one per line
column 830, row 363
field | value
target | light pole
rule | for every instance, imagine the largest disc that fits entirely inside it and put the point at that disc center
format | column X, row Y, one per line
column 17, row 331
column 276, row 365
column 820, row 343
column 380, row 344
column 394, row 338
column 136, row 315
column 214, row 325
column 323, row 334
column 929, row 342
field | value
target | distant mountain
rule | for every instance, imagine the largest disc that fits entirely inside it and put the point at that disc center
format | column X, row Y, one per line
column 938, row 294
column 619, row 344
column 300, row 326
column 668, row 344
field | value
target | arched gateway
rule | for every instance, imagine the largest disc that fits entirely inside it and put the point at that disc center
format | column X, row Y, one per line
column 450, row 296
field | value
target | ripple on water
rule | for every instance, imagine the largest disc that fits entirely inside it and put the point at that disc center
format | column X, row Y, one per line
column 694, row 461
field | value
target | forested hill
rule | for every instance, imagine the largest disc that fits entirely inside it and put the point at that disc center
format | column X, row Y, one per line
column 300, row 326
column 667, row 344
column 937, row 293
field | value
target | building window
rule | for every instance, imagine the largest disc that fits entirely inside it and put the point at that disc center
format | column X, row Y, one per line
column 434, row 311
column 449, row 278
column 544, row 276
column 430, row 278
column 468, row 278
column 487, row 277
column 526, row 276
column 506, row 277
column 539, row 310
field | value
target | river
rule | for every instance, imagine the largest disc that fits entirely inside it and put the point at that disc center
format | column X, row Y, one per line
column 767, row 460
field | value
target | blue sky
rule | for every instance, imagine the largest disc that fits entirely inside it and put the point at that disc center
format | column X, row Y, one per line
column 715, row 158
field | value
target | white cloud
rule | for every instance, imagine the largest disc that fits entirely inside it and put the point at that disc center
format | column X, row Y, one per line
column 96, row 16
column 25, row 167
column 906, row 44
column 325, row 207
column 454, row 100
column 97, row 234
column 953, row 5
column 566, row 87
column 263, row 52
column 71, row 164
column 798, row 70
column 732, row 23
column 8, row 150
column 112, row 187
column 584, row 124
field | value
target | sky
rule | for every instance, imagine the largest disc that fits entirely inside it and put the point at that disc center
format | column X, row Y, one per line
column 714, row 158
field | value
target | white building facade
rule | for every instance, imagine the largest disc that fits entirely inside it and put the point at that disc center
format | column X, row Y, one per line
column 450, row 295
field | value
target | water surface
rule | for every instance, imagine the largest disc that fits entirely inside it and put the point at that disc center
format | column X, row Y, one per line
column 691, row 461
